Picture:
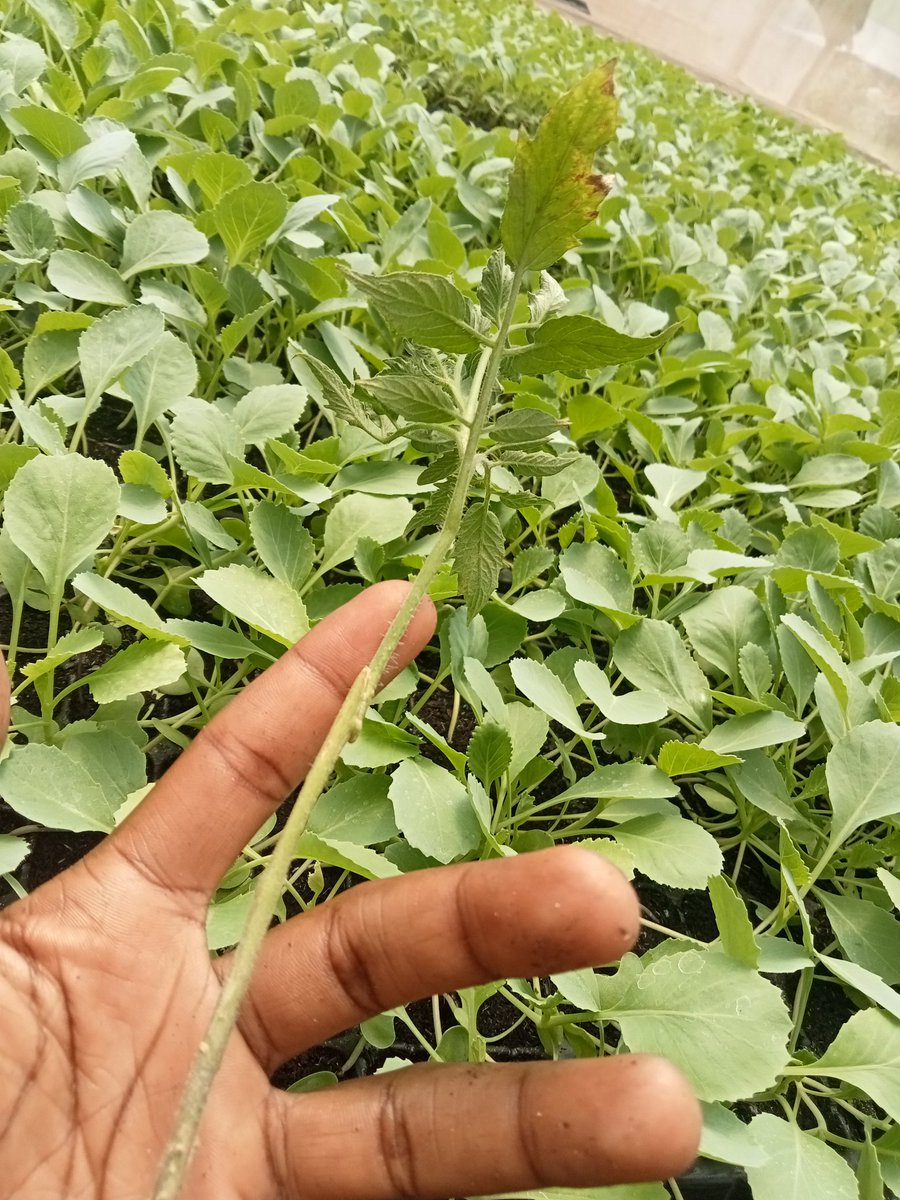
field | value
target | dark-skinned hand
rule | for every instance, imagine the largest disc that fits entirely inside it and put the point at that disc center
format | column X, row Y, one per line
column 106, row 988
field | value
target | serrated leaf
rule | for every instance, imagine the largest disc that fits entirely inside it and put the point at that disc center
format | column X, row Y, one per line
column 624, row 708
column 58, row 511
column 489, row 752
column 797, row 1164
column 726, row 1138
column 862, row 980
column 246, row 216
column 214, row 639
column 114, row 343
column 83, row 277
column 595, row 575
column 161, row 239
column 734, row 924
column 548, row 693
column 380, row 518
column 653, row 657
column 670, row 848
column 264, row 603
column 216, row 173
column 43, row 784
column 478, row 556
column 415, row 398
column 495, row 288
column 204, row 439
column 755, row 668
column 687, row 758
column 433, row 811
column 30, row 230
column 672, row 484
column 762, row 784
column 357, row 810
column 868, row 935
column 633, row 780
column 553, row 192
column 722, row 1024
column 112, row 760
column 269, row 411
column 232, row 335
column 141, row 470
column 78, row 641
column 524, row 427
column 25, row 61
column 862, row 771
column 425, row 308
column 100, row 156
column 13, row 852
column 125, row 605
column 142, row 667
column 866, row 1054
column 752, row 732
column 282, row 543
column 57, row 132
column 162, row 378
column 577, row 344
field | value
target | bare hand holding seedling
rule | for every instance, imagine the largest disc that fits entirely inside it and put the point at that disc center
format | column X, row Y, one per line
column 106, row 988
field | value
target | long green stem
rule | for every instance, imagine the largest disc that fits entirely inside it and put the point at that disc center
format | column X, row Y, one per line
column 271, row 881
column 265, row 897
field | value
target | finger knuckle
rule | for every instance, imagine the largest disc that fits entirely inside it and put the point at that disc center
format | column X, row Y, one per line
column 397, row 1141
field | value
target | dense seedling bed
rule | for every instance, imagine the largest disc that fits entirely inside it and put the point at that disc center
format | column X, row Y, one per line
column 670, row 619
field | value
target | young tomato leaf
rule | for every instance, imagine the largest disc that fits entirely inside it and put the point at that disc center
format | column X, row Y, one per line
column 427, row 308
column 478, row 556
column 415, row 398
column 578, row 344
column 553, row 191
column 495, row 288
column 489, row 752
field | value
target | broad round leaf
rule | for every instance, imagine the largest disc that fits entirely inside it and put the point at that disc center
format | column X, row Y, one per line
column 58, row 510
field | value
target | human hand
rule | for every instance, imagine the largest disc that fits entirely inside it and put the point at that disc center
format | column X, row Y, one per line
column 106, row 989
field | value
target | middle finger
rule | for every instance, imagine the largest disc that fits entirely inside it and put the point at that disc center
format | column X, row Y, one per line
column 398, row 940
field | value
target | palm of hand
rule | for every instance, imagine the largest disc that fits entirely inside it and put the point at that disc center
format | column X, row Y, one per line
column 106, row 989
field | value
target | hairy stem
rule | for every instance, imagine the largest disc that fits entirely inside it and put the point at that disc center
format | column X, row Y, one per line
column 347, row 723
column 265, row 897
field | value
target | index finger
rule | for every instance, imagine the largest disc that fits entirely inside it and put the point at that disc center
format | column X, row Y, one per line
column 237, row 771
